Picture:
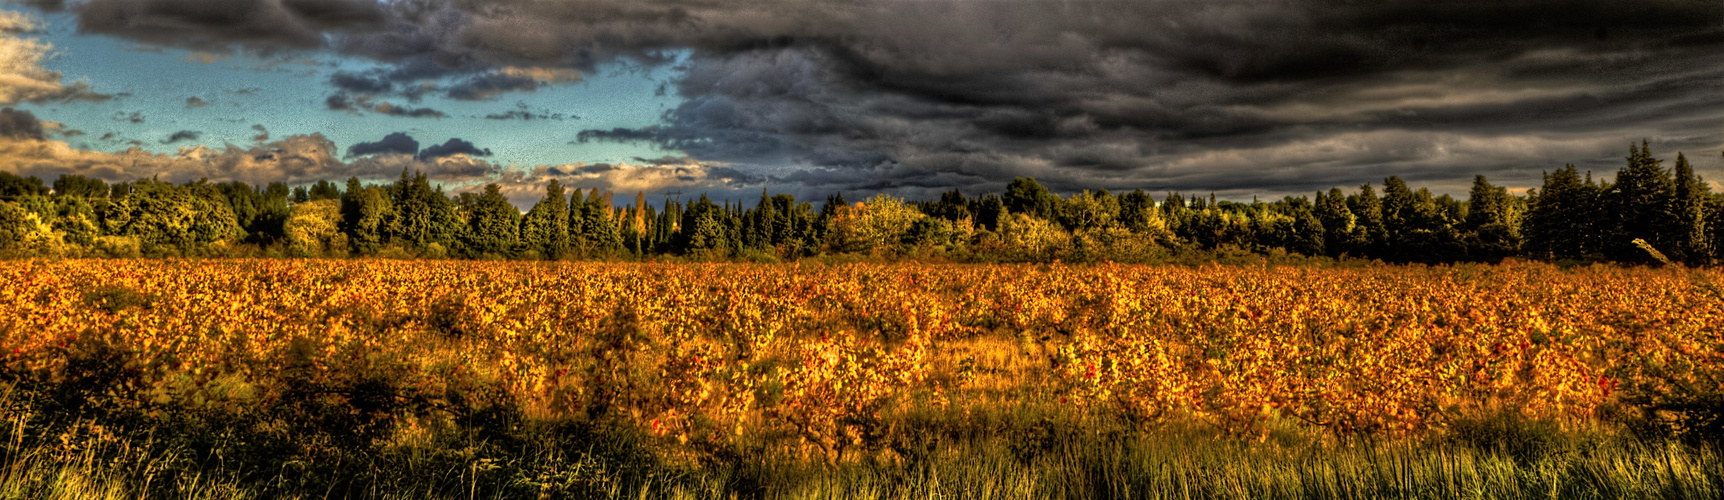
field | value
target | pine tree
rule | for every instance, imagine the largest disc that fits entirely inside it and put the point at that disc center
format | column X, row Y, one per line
column 1492, row 225
column 492, row 226
column 1690, row 243
column 545, row 228
column 1558, row 217
column 422, row 215
column 1641, row 201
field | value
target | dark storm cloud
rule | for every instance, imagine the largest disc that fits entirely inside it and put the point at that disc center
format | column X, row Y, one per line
column 596, row 168
column 398, row 143
column 453, row 146
column 19, row 124
column 45, row 5
column 486, row 86
column 522, row 114
column 406, row 111
column 132, row 117
column 352, row 81
column 183, row 135
column 195, row 102
column 620, row 135
column 260, row 24
column 912, row 97
column 662, row 160
column 339, row 102
column 355, row 104
column 262, row 133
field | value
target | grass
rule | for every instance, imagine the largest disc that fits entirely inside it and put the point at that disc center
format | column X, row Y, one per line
column 1029, row 451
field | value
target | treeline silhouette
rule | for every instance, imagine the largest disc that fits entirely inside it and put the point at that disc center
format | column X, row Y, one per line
column 1648, row 214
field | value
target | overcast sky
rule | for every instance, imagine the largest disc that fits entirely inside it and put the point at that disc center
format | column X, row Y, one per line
column 810, row 97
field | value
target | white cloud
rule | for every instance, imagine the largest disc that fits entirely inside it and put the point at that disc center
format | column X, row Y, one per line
column 22, row 77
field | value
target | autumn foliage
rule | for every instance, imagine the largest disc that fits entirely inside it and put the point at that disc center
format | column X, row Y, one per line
column 822, row 357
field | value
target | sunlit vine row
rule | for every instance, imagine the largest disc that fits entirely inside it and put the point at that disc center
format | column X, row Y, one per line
column 820, row 353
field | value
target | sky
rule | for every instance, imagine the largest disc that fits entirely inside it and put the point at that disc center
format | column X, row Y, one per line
column 905, row 97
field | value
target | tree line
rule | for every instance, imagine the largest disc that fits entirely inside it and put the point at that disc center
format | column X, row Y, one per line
column 1647, row 213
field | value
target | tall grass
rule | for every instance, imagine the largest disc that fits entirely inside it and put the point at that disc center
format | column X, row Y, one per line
column 1029, row 451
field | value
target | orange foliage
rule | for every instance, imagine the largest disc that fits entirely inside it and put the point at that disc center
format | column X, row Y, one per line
column 821, row 353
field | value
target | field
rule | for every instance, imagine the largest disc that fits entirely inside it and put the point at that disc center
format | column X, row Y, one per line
column 399, row 379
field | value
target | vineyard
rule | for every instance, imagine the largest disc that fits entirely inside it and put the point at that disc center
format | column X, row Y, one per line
column 841, row 364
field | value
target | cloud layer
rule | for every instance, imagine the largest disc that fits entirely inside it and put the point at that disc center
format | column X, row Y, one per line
column 812, row 96
column 22, row 77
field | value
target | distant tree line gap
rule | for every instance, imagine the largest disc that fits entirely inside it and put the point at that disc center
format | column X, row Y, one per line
column 1648, row 214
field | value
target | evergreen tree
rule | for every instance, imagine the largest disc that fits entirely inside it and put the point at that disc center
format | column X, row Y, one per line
column 1304, row 232
column 491, row 225
column 704, row 228
column 952, row 206
column 1137, row 212
column 1492, row 226
column 599, row 234
column 423, row 216
column 324, row 190
column 545, row 229
column 760, row 222
column 1561, row 217
column 1715, row 225
column 1642, row 201
column 1689, row 231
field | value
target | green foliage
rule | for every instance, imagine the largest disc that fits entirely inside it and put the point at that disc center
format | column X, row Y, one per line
column 879, row 224
column 12, row 185
column 1028, row 238
column 1642, row 202
column 545, row 228
column 1086, row 210
column 1026, row 196
column 599, row 234
column 174, row 219
column 492, row 226
column 22, row 232
column 80, row 186
column 1492, row 230
column 420, row 216
column 314, row 229
column 1565, row 218
column 1341, row 234
column 1689, row 232
column 365, row 215
column 1569, row 217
